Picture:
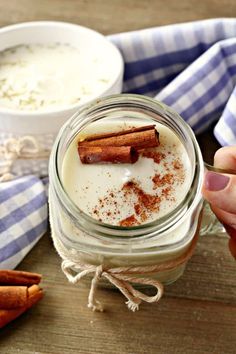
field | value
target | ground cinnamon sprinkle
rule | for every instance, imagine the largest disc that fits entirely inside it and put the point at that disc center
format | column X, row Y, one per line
column 129, row 221
column 166, row 192
column 155, row 155
column 95, row 211
column 179, row 169
column 143, row 216
column 159, row 181
column 138, row 209
column 143, row 205
column 177, row 164
column 149, row 201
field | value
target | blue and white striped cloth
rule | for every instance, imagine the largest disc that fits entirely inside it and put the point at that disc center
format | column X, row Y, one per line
column 191, row 67
column 23, row 218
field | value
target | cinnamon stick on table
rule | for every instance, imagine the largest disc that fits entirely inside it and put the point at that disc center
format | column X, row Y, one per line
column 34, row 295
column 118, row 147
column 13, row 296
column 17, row 277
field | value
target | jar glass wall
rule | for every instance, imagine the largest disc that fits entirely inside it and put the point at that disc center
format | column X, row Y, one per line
column 94, row 242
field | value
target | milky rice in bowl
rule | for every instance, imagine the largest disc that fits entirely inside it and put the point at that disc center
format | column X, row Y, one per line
column 48, row 71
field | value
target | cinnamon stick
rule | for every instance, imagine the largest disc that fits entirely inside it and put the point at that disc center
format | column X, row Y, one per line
column 35, row 294
column 139, row 138
column 17, row 277
column 107, row 154
column 13, row 296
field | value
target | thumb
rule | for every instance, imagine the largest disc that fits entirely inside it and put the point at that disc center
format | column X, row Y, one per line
column 220, row 191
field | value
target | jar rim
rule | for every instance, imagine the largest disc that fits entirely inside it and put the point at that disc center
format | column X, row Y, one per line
column 85, row 116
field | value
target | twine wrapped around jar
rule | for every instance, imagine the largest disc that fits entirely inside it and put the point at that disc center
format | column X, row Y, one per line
column 120, row 277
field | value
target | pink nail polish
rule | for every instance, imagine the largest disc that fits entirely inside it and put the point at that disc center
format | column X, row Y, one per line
column 215, row 181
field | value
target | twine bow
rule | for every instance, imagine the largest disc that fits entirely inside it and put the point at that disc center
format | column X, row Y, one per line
column 119, row 277
column 25, row 147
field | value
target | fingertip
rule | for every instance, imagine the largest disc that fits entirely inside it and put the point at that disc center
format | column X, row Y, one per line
column 225, row 157
column 220, row 191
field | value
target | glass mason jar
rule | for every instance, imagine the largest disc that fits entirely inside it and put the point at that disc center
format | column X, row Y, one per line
column 96, row 243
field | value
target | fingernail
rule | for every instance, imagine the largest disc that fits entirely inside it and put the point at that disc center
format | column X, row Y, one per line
column 215, row 181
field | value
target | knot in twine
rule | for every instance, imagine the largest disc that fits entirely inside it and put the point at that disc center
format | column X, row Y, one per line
column 25, row 147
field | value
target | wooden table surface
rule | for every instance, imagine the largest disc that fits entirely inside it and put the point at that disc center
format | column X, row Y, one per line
column 197, row 313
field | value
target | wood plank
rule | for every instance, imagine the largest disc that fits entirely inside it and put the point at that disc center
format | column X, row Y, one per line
column 210, row 275
column 196, row 315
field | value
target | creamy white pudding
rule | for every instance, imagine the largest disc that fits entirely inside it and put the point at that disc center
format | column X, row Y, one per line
column 38, row 77
column 129, row 194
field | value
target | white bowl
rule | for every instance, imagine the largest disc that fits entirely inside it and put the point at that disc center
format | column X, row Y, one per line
column 44, row 125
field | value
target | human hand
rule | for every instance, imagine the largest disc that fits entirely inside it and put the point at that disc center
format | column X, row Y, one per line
column 220, row 191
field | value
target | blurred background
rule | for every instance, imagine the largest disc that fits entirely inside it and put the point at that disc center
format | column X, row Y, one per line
column 112, row 16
